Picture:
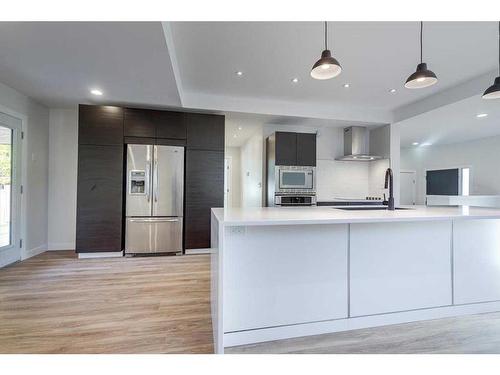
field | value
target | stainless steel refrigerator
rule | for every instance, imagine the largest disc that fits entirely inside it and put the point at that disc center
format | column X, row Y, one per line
column 154, row 204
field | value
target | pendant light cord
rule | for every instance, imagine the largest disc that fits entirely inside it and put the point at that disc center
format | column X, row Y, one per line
column 421, row 40
column 326, row 35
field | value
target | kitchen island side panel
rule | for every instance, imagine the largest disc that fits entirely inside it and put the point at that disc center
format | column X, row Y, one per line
column 284, row 275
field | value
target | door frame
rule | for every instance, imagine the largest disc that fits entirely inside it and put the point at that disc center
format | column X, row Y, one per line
column 228, row 193
column 21, row 153
column 414, row 172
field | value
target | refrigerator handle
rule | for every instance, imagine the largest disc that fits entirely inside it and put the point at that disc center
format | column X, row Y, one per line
column 155, row 177
column 147, row 187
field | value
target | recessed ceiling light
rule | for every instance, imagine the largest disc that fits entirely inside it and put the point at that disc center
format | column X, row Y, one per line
column 295, row 80
column 239, row 128
column 235, row 136
column 415, row 143
column 392, row 91
column 346, row 85
column 239, row 73
column 426, row 144
column 482, row 115
column 96, row 92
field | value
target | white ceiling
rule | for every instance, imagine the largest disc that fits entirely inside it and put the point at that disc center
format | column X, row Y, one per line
column 193, row 64
column 376, row 56
column 57, row 63
column 242, row 126
column 453, row 123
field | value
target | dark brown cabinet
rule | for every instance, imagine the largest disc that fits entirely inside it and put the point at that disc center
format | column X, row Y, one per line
column 204, row 190
column 138, row 123
column 99, row 198
column 154, row 124
column 286, row 148
column 205, row 132
column 306, row 149
column 295, row 149
column 100, row 125
column 103, row 132
column 169, row 124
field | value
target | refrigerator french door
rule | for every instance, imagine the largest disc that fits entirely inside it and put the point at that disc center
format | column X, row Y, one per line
column 154, row 203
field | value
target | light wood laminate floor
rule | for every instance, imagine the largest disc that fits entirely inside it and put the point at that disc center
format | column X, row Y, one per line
column 56, row 303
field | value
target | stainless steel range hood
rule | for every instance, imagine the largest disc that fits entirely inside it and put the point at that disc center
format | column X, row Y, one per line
column 357, row 145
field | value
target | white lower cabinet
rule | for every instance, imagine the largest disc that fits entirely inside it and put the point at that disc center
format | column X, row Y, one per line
column 399, row 266
column 476, row 260
column 283, row 275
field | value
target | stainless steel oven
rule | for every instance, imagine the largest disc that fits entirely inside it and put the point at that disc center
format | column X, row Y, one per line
column 295, row 179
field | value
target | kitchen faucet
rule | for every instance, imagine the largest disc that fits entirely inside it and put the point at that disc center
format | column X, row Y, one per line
column 389, row 179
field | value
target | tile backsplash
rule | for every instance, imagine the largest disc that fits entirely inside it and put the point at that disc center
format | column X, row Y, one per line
column 348, row 179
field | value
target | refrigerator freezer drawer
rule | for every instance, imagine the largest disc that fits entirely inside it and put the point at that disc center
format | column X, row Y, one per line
column 153, row 235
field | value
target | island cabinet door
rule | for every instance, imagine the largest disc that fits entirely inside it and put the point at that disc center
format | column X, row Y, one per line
column 399, row 266
column 476, row 260
column 283, row 275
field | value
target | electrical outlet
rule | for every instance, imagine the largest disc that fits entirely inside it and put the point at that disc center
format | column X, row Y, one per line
column 237, row 230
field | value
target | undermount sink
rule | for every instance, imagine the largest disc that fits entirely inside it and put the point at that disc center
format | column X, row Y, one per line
column 369, row 208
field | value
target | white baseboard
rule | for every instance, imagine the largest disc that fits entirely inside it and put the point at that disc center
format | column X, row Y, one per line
column 330, row 326
column 198, row 251
column 114, row 254
column 61, row 246
column 28, row 253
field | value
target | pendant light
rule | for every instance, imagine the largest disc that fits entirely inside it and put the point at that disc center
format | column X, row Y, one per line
column 422, row 77
column 493, row 92
column 327, row 66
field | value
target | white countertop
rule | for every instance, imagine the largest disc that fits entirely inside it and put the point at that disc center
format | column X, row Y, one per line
column 330, row 215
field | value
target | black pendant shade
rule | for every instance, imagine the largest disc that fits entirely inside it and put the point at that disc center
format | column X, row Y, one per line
column 493, row 92
column 327, row 66
column 422, row 77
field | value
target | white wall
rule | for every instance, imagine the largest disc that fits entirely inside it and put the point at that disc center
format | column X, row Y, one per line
column 234, row 153
column 252, row 171
column 480, row 155
column 36, row 145
column 63, row 155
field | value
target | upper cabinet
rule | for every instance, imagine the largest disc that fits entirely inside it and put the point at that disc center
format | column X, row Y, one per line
column 100, row 125
column 169, row 124
column 138, row 123
column 205, row 132
column 295, row 149
column 306, row 149
column 154, row 124
column 286, row 148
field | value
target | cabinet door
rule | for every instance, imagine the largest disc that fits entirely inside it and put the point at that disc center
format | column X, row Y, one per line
column 306, row 149
column 204, row 190
column 205, row 132
column 169, row 124
column 100, row 125
column 99, row 198
column 286, row 148
column 139, row 123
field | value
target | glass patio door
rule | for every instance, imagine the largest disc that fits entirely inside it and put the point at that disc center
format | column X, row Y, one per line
column 10, row 194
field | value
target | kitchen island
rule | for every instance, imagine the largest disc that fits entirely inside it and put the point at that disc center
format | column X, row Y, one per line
column 287, row 272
